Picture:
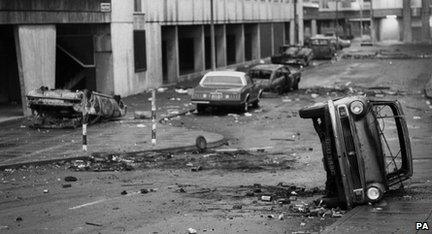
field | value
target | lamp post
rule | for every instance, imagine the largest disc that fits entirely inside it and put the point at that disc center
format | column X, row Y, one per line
column 212, row 38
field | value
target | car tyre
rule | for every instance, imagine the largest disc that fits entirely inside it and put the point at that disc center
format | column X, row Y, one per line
column 255, row 104
column 245, row 106
column 296, row 85
column 200, row 108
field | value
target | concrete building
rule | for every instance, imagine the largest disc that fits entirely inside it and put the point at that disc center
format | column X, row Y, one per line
column 129, row 46
column 394, row 20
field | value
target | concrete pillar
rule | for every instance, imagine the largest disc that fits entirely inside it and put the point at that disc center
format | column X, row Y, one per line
column 240, row 43
column 300, row 32
column 314, row 27
column 220, row 32
column 122, row 46
column 170, row 36
column 36, row 57
column 104, row 63
column 406, row 12
column 199, row 49
column 256, row 43
column 425, row 16
column 292, row 32
column 272, row 38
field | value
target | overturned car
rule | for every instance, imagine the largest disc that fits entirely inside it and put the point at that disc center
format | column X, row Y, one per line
column 59, row 108
column 293, row 55
column 366, row 147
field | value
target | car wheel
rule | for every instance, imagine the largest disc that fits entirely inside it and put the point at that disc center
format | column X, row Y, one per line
column 255, row 104
column 296, row 85
column 245, row 106
column 200, row 108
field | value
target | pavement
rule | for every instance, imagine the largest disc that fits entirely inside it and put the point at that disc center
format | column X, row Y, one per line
column 21, row 145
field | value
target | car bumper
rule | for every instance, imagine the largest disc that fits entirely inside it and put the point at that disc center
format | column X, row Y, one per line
column 218, row 102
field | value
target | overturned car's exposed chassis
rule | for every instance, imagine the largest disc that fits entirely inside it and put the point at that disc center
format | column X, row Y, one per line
column 361, row 161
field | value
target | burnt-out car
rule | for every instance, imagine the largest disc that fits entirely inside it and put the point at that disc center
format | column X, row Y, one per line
column 226, row 89
column 366, row 147
column 275, row 77
column 293, row 55
column 323, row 47
column 60, row 108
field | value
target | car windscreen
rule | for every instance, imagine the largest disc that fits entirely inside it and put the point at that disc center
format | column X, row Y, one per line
column 319, row 42
column 260, row 74
column 291, row 50
column 222, row 80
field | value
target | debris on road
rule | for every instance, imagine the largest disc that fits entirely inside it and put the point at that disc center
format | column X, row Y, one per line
column 247, row 114
column 123, row 192
column 192, row 231
column 142, row 115
column 66, row 185
column 70, row 179
column 314, row 95
column 93, row 224
column 266, row 198
column 237, row 207
column 281, row 139
column 281, row 216
column 416, row 117
column 45, row 191
column 19, row 219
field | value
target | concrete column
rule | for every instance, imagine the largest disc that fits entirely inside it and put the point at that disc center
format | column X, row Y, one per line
column 314, row 27
column 240, row 43
column 36, row 55
column 406, row 12
column 425, row 16
column 104, row 63
column 272, row 38
column 199, row 49
column 256, row 44
column 292, row 32
column 170, row 35
column 220, row 32
column 122, row 47
column 300, row 26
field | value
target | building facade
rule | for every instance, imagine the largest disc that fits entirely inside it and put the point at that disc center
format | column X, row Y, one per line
column 395, row 20
column 128, row 46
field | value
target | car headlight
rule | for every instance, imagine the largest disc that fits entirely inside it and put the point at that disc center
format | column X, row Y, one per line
column 204, row 95
column 227, row 96
column 374, row 192
column 357, row 107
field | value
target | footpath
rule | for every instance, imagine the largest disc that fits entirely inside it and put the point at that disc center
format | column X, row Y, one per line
column 20, row 144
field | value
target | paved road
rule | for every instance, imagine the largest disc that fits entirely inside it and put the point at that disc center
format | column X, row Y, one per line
column 209, row 195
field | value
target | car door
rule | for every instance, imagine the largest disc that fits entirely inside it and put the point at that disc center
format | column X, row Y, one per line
column 278, row 79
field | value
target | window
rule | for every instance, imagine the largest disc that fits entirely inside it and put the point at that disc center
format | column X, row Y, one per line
column 140, row 51
column 137, row 6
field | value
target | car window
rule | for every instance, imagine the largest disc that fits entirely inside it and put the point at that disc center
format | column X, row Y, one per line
column 248, row 79
column 285, row 70
column 279, row 73
column 260, row 74
column 222, row 80
column 319, row 42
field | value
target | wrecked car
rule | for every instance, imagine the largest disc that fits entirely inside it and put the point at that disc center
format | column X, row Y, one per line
column 323, row 48
column 225, row 89
column 275, row 77
column 293, row 55
column 366, row 147
column 59, row 108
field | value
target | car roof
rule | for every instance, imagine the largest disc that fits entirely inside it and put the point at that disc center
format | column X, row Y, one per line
column 267, row 66
column 225, row 73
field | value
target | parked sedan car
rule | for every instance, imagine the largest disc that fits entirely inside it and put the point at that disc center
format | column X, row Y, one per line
column 226, row 88
column 293, row 55
column 275, row 77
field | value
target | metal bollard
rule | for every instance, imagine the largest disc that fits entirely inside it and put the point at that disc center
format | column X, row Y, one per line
column 84, row 132
column 153, row 116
